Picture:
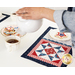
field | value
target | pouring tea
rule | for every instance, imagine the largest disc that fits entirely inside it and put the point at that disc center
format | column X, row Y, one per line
column 28, row 26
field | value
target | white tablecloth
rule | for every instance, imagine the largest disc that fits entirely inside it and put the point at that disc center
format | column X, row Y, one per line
column 14, row 59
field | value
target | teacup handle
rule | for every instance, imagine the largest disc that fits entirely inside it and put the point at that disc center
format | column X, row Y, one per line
column 10, row 48
column 13, row 47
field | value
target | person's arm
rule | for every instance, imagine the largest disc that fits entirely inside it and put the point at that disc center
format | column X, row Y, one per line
column 42, row 12
column 36, row 13
column 48, row 14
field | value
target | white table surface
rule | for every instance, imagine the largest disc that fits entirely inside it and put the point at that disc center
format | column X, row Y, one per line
column 14, row 59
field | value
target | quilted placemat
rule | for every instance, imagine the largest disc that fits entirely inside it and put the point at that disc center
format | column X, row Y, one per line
column 47, row 52
column 5, row 17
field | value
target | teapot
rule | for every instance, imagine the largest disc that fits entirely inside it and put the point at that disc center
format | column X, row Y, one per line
column 28, row 26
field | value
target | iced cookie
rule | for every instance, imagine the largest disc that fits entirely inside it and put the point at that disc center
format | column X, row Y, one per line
column 9, row 31
column 61, row 35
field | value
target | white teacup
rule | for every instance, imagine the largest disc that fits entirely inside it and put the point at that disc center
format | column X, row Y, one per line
column 12, row 43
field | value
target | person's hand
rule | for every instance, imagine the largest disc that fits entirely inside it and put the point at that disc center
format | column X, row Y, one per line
column 36, row 13
column 31, row 12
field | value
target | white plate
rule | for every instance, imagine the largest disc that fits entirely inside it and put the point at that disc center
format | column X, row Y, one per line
column 52, row 33
column 15, row 27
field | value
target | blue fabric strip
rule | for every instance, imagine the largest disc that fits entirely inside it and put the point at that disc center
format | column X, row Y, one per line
column 70, row 8
column 6, row 16
column 57, row 42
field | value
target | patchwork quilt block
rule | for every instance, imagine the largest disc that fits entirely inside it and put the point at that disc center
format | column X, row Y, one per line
column 47, row 52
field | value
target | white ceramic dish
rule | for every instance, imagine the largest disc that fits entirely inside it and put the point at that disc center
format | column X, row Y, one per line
column 52, row 34
column 14, row 29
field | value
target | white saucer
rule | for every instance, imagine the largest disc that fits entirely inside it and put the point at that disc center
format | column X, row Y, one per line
column 52, row 34
column 15, row 27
